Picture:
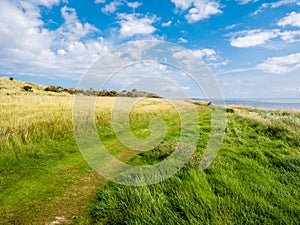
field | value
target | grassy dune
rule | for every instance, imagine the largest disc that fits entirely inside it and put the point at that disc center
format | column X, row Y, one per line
column 254, row 179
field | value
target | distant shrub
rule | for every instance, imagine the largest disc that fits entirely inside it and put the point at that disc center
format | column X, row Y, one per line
column 229, row 110
column 108, row 93
column 11, row 78
column 80, row 91
column 129, row 94
column 152, row 95
column 70, row 90
column 27, row 88
column 54, row 89
column 275, row 131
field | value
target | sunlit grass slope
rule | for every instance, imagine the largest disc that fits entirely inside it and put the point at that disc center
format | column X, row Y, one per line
column 9, row 86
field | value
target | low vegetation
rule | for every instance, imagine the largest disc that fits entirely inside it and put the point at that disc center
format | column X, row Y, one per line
column 9, row 86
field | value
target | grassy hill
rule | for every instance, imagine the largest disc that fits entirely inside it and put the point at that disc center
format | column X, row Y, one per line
column 16, row 87
column 9, row 86
column 44, row 179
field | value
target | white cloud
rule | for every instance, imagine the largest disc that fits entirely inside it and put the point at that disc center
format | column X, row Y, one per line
column 207, row 53
column 236, row 70
column 183, row 4
column 290, row 36
column 23, row 29
column 134, row 5
column 229, row 27
column 210, row 56
column 73, row 29
column 198, row 10
column 253, row 38
column 276, row 5
column 61, row 52
column 111, row 7
column 279, row 3
column 282, row 64
column 132, row 24
column 202, row 10
column 244, row 2
column 47, row 3
column 292, row 19
column 182, row 40
column 167, row 24
column 99, row 1
column 29, row 49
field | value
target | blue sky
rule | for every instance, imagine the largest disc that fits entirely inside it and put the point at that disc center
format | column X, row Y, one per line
column 251, row 46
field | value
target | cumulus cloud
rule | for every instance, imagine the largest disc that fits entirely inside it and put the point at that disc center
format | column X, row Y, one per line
column 73, row 29
column 202, row 10
column 182, row 40
column 197, row 10
column 292, row 19
column 208, row 53
column 183, row 4
column 111, row 7
column 282, row 64
column 210, row 56
column 252, row 38
column 167, row 24
column 134, row 5
column 133, row 24
column 29, row 49
column 290, row 36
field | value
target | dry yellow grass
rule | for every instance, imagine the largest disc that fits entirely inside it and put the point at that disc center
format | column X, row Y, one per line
column 27, row 118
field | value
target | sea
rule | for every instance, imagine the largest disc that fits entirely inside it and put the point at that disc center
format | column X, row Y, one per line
column 265, row 103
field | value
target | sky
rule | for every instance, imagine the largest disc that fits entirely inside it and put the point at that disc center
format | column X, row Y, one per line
column 252, row 47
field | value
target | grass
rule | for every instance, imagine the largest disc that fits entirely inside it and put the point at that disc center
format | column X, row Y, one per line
column 39, row 159
column 16, row 88
column 40, row 164
column 253, row 180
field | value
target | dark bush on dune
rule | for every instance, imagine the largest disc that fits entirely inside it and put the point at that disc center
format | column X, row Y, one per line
column 108, row 93
column 27, row 88
column 54, row 89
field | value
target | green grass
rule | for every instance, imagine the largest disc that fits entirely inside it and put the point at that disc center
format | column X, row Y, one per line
column 253, row 180
column 42, row 172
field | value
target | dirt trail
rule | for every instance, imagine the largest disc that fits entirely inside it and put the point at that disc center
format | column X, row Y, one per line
column 70, row 208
